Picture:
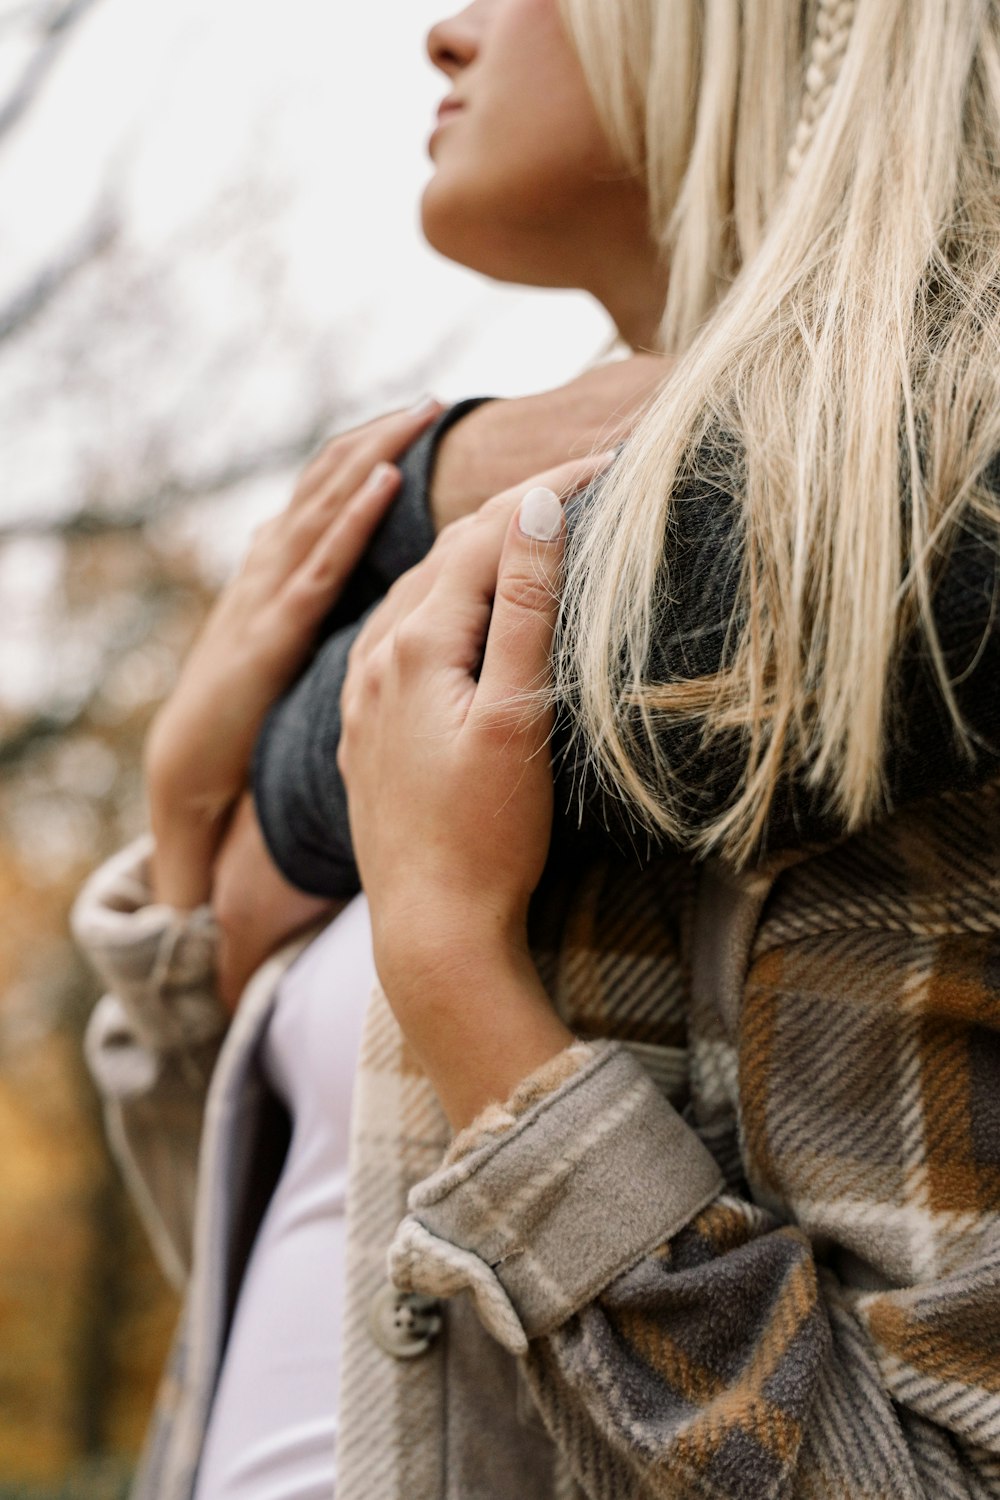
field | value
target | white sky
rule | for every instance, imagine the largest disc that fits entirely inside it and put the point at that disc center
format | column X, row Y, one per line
column 265, row 158
column 316, row 114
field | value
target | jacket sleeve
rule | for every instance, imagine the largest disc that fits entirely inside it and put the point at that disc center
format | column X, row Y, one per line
column 152, row 1041
column 298, row 792
column 822, row 1318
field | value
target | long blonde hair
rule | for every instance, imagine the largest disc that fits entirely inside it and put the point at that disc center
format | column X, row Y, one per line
column 824, row 176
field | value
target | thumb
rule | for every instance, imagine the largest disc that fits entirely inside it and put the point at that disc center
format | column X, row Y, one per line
column 525, row 606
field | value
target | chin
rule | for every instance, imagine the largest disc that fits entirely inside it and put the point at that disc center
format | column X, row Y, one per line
column 467, row 230
column 452, row 227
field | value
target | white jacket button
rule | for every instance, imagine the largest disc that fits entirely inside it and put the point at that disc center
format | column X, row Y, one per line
column 403, row 1324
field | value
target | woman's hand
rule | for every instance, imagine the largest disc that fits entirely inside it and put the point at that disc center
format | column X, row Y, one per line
column 444, row 750
column 255, row 639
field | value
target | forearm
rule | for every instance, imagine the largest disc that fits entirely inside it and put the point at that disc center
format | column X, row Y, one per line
column 181, row 858
column 491, row 449
column 479, row 1021
column 151, row 1042
column 506, row 441
column 256, row 908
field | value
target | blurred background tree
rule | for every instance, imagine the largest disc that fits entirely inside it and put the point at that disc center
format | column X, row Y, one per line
column 209, row 263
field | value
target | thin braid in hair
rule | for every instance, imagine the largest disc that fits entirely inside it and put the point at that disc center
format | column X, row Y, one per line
column 834, row 19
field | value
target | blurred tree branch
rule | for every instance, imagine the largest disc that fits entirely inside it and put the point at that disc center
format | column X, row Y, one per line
column 44, row 287
column 55, row 721
column 172, row 491
column 28, row 737
column 53, row 24
column 157, row 502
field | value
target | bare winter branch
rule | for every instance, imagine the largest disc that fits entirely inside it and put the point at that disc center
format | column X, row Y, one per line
column 43, row 288
column 55, row 721
column 172, row 492
column 55, row 25
column 142, row 509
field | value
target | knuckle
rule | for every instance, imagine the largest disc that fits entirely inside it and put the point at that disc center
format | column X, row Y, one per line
column 495, row 505
column 453, row 542
column 527, row 590
column 396, row 592
column 306, row 480
column 358, row 665
column 349, row 694
column 325, row 496
column 458, row 531
column 353, row 705
column 348, row 711
column 376, row 668
column 409, row 642
column 328, row 455
column 386, row 430
column 355, row 657
column 450, row 536
column 298, row 607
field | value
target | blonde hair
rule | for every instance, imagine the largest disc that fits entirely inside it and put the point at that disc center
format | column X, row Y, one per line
column 824, row 176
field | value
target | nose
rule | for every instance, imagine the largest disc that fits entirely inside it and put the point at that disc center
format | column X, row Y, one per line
column 452, row 43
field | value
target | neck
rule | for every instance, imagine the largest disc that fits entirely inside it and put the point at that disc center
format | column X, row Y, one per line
column 637, row 319
column 634, row 294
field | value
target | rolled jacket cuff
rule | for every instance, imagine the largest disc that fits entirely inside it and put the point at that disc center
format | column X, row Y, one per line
column 537, row 1221
column 159, row 962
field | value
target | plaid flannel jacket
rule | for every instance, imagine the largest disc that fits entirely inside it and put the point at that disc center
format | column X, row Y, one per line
column 778, row 1275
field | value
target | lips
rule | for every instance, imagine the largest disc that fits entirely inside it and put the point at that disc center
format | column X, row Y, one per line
column 447, row 108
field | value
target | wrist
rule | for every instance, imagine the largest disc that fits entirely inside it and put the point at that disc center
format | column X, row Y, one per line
column 184, row 849
column 483, row 453
column 431, row 942
column 478, row 1021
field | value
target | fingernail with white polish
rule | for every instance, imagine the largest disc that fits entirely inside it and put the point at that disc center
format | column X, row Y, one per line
column 378, row 476
column 540, row 514
column 424, row 407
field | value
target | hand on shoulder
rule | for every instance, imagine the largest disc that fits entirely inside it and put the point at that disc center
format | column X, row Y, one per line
column 256, row 638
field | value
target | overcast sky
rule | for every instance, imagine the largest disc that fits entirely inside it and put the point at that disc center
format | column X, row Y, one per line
column 263, row 160
column 316, row 113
